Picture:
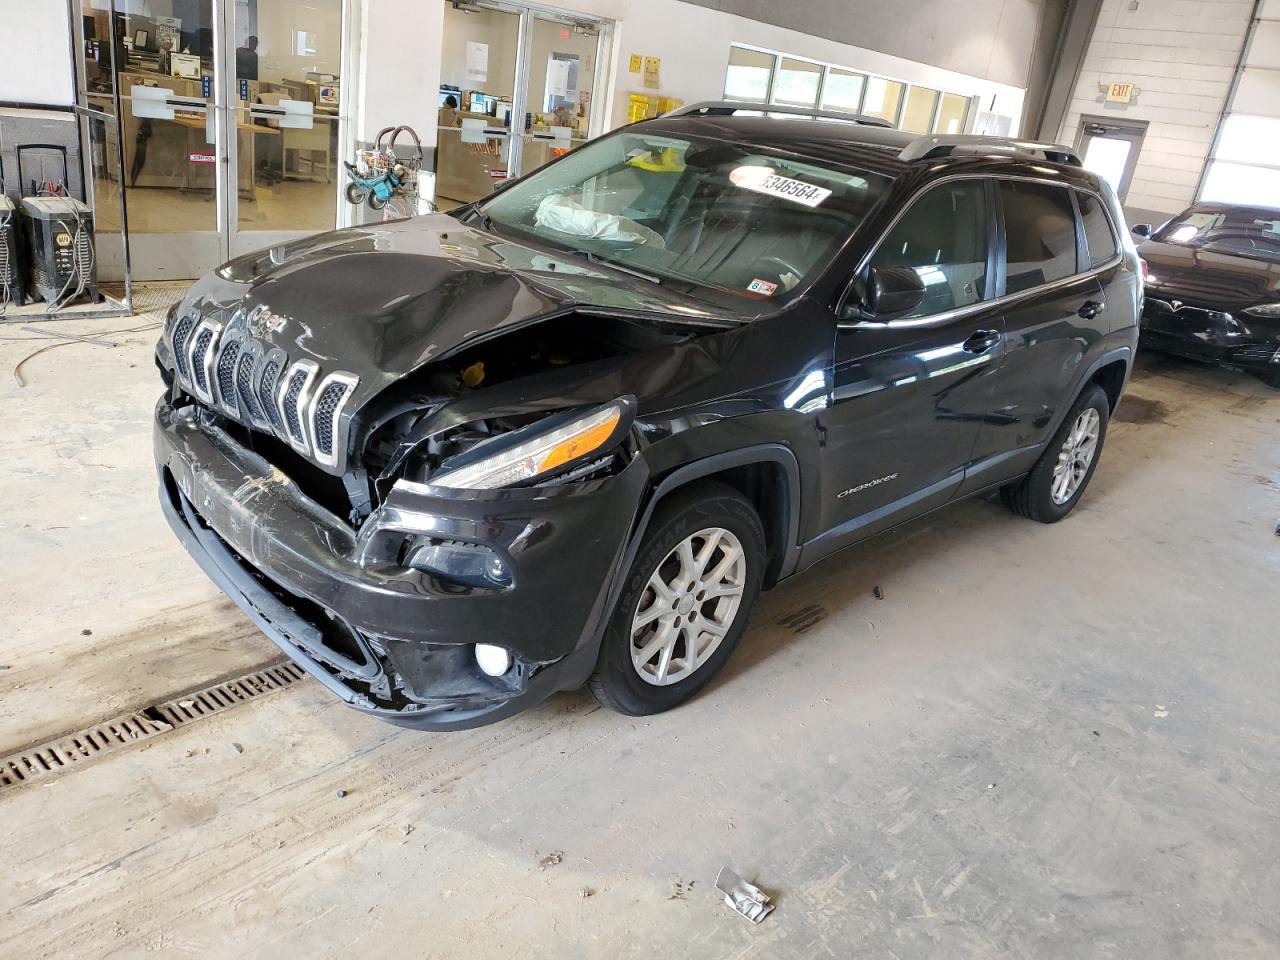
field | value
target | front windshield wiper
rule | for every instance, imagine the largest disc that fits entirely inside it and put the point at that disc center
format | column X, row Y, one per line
column 593, row 258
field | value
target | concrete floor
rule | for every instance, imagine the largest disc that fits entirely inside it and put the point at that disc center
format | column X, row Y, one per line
column 1043, row 742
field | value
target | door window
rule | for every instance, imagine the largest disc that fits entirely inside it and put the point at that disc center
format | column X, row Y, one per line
column 1097, row 229
column 943, row 238
column 1040, row 234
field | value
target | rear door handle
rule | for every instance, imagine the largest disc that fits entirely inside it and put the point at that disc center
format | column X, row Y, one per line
column 980, row 341
column 1090, row 309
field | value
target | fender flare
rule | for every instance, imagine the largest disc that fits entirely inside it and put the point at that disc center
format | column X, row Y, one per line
column 682, row 476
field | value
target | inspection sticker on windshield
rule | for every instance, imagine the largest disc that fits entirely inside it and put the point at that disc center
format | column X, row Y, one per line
column 776, row 186
column 762, row 286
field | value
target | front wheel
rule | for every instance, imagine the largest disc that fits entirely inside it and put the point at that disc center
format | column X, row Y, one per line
column 1056, row 483
column 685, row 602
column 355, row 194
column 377, row 202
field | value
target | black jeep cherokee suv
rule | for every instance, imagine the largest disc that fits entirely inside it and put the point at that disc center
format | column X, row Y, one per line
column 566, row 434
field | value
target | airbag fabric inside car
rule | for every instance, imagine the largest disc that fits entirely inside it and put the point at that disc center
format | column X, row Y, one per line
column 566, row 434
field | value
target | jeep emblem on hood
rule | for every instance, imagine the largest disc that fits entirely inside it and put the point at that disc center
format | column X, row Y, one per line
column 261, row 321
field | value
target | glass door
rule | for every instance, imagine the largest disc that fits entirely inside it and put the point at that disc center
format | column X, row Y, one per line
column 560, row 86
column 162, row 64
column 1110, row 150
column 284, row 63
column 480, row 60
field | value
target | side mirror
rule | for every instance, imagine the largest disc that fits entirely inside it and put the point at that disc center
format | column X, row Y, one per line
column 1142, row 230
column 893, row 290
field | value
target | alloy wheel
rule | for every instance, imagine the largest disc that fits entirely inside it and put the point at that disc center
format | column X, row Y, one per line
column 687, row 606
column 1076, row 455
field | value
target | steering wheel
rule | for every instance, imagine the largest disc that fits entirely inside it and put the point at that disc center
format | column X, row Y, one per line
column 777, row 262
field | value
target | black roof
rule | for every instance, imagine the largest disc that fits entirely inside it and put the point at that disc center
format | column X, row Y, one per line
column 870, row 147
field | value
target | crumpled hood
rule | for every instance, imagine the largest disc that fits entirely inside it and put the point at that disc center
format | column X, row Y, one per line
column 382, row 300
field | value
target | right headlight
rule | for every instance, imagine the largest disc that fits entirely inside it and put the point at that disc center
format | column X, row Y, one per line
column 538, row 450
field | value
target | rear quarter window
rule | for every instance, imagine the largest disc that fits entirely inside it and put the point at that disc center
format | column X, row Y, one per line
column 1040, row 234
column 1098, row 236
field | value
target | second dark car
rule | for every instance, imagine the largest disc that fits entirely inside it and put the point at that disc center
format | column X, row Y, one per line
column 1213, row 287
column 566, row 434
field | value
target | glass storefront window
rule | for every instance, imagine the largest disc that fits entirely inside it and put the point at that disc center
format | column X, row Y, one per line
column 917, row 116
column 883, row 99
column 797, row 83
column 951, row 115
column 748, row 75
column 843, row 90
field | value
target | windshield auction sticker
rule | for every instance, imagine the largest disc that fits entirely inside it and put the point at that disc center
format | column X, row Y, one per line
column 764, row 180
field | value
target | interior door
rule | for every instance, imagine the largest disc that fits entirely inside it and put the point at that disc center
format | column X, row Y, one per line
column 1110, row 150
column 283, row 60
column 477, row 101
column 559, row 84
column 163, row 64
column 911, row 390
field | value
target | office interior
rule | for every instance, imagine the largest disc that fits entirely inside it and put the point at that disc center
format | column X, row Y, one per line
column 284, row 49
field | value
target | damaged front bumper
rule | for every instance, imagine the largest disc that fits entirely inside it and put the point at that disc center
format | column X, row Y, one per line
column 1215, row 336
column 391, row 640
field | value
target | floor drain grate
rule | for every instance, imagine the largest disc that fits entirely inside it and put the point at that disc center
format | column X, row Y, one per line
column 75, row 749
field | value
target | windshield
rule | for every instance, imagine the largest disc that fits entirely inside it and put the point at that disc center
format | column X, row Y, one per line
column 722, row 219
column 1245, row 231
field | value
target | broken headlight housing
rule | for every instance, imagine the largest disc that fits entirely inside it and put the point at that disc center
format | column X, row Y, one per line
column 541, row 450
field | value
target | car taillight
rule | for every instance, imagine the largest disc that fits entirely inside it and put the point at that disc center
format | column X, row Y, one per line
column 1145, row 270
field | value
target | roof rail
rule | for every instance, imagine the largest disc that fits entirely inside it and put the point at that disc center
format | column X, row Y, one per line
column 727, row 108
column 922, row 148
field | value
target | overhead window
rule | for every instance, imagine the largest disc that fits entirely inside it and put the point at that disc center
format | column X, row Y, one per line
column 952, row 113
column 883, row 98
column 1097, row 229
column 796, row 84
column 1040, row 234
column 943, row 238
column 843, row 90
column 917, row 115
column 748, row 75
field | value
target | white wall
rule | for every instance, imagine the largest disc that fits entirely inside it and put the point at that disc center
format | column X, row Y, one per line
column 35, row 52
column 694, row 41
column 403, row 58
column 400, row 66
column 1181, row 54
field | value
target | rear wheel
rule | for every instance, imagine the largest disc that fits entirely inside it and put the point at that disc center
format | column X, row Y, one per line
column 685, row 602
column 1056, row 483
column 355, row 194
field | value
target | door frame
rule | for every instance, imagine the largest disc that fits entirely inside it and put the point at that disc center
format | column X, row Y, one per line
column 1135, row 131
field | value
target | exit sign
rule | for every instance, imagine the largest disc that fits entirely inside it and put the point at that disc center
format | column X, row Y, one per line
column 1120, row 93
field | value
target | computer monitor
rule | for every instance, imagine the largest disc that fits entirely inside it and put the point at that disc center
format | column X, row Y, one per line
column 445, row 95
column 477, row 103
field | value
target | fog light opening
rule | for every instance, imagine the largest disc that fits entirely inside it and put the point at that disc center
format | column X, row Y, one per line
column 493, row 661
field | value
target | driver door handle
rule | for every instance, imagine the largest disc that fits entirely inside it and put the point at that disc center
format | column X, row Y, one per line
column 980, row 341
column 1090, row 309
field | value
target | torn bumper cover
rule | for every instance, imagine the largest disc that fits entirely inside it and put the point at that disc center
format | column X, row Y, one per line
column 391, row 640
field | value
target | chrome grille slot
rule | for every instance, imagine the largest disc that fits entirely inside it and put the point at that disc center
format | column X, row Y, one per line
column 226, row 375
column 325, row 414
column 292, row 400
column 244, row 387
column 267, row 394
column 200, row 350
column 178, row 342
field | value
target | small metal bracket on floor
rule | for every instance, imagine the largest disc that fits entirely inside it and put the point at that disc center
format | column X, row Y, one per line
column 745, row 898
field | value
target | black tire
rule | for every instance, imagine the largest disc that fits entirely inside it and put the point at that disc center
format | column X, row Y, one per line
column 616, row 682
column 377, row 202
column 1032, row 496
column 355, row 194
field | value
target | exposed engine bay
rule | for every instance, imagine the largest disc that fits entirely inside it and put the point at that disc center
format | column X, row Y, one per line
column 406, row 433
